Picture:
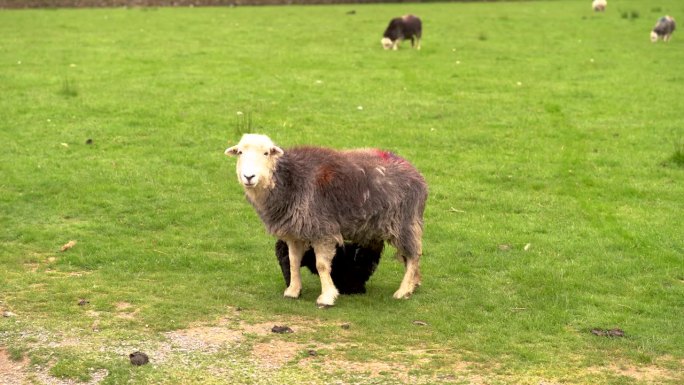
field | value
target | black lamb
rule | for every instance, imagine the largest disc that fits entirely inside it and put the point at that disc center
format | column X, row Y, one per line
column 352, row 265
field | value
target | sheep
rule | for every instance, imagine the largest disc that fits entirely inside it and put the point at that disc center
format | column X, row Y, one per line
column 319, row 197
column 663, row 29
column 599, row 5
column 352, row 265
column 400, row 28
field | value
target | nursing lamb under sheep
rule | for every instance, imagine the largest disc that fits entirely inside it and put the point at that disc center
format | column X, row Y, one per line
column 319, row 197
column 351, row 266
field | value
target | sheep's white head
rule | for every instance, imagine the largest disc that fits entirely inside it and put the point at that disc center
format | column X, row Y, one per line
column 257, row 156
column 654, row 36
column 386, row 43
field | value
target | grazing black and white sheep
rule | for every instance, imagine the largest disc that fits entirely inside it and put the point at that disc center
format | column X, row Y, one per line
column 663, row 29
column 400, row 28
column 320, row 197
column 599, row 5
column 352, row 265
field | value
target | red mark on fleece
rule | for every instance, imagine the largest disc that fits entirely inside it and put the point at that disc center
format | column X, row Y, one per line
column 387, row 156
column 325, row 175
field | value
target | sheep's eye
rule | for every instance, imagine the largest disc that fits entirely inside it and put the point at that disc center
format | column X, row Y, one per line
column 239, row 152
column 265, row 153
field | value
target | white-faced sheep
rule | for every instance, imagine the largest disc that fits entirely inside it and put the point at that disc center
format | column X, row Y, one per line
column 599, row 5
column 400, row 28
column 663, row 29
column 319, row 197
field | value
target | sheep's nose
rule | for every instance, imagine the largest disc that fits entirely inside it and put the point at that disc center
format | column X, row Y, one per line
column 249, row 178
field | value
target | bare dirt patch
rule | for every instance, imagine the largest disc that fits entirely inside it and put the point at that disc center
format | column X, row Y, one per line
column 122, row 306
column 649, row 374
column 399, row 366
column 204, row 339
column 12, row 372
column 274, row 354
column 32, row 266
column 50, row 273
column 209, row 339
column 125, row 310
column 265, row 328
column 375, row 369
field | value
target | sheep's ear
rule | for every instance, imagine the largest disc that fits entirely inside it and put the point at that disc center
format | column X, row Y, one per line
column 232, row 151
column 275, row 150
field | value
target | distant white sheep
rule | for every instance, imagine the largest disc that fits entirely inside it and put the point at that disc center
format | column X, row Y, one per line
column 599, row 5
column 318, row 197
column 663, row 29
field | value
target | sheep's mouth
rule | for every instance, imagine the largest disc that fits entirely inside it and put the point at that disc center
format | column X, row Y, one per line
column 249, row 185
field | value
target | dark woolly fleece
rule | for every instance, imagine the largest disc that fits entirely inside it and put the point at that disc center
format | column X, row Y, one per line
column 361, row 196
column 665, row 26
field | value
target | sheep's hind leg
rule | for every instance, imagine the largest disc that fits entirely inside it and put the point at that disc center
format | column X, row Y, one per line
column 296, row 252
column 411, row 278
column 410, row 251
column 325, row 251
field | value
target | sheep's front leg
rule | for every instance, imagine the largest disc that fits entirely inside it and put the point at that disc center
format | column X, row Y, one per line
column 325, row 251
column 296, row 252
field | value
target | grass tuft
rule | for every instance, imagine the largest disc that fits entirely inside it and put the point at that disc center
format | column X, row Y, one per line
column 243, row 123
column 16, row 353
column 68, row 88
column 630, row 15
column 677, row 157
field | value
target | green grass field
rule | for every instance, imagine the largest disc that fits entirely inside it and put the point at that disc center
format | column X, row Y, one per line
column 552, row 139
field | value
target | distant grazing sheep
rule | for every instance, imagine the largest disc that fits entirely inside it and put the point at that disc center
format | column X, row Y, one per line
column 599, row 5
column 352, row 265
column 400, row 28
column 319, row 197
column 663, row 29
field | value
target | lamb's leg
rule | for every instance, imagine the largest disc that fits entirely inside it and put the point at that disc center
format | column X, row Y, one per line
column 296, row 252
column 325, row 251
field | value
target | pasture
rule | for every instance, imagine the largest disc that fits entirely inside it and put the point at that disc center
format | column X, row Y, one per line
column 551, row 137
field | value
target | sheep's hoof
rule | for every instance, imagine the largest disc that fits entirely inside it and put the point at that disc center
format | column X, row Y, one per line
column 326, row 301
column 291, row 293
column 400, row 294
